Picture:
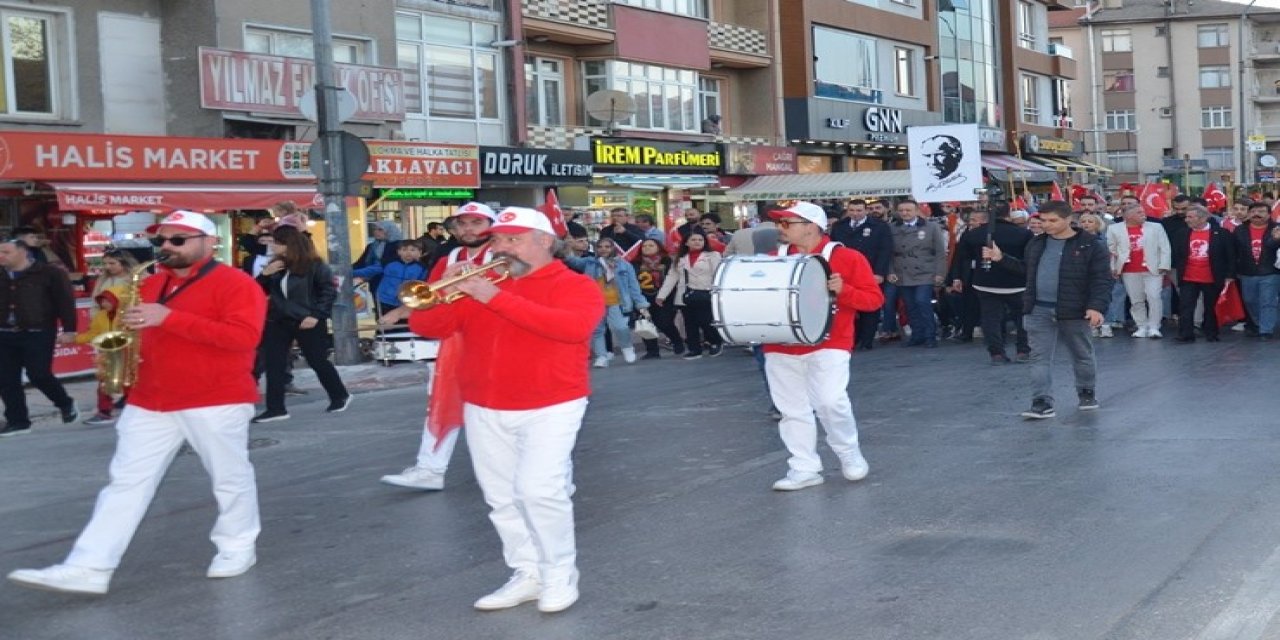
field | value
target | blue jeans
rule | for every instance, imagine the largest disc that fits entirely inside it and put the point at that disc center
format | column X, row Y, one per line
column 1115, row 311
column 889, row 312
column 1261, row 297
column 919, row 300
column 616, row 321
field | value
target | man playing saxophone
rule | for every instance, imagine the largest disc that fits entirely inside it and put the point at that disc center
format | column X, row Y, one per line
column 193, row 310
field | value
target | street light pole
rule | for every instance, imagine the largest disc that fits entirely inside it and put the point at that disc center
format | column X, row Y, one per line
column 346, row 341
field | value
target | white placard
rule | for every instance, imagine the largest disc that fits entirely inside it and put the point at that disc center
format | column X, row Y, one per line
column 945, row 161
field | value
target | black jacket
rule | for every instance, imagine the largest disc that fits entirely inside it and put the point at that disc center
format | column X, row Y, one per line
column 1084, row 279
column 1009, row 237
column 39, row 298
column 1245, row 264
column 873, row 239
column 626, row 239
column 1222, row 252
column 310, row 294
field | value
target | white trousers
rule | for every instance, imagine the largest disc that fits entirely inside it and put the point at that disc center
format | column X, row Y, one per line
column 437, row 460
column 802, row 385
column 522, row 463
column 146, row 443
column 1145, row 302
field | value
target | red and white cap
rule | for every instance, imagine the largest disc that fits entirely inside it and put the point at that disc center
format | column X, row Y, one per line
column 189, row 220
column 476, row 209
column 521, row 220
column 806, row 210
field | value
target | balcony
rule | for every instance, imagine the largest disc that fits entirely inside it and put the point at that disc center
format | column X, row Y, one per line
column 737, row 46
column 1059, row 49
column 1265, row 52
column 574, row 22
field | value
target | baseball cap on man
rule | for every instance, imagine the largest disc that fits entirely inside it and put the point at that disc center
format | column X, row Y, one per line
column 476, row 209
column 806, row 210
column 189, row 220
column 520, row 220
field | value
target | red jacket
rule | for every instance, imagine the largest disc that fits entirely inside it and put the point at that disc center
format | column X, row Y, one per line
column 528, row 347
column 859, row 293
column 203, row 353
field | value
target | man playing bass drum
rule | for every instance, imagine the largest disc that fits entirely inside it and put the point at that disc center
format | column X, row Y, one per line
column 804, row 379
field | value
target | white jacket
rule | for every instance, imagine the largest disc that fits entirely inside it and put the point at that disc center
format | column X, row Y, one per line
column 700, row 276
column 1156, row 251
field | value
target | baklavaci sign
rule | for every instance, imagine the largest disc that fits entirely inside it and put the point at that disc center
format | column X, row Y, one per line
column 656, row 155
column 541, row 166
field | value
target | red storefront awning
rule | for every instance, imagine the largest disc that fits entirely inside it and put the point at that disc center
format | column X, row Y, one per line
column 99, row 197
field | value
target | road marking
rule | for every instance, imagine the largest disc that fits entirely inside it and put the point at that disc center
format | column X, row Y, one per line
column 1255, row 603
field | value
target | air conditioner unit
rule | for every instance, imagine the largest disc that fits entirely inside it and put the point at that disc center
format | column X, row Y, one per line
column 1166, row 112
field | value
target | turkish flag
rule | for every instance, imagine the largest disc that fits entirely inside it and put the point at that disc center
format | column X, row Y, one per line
column 1153, row 201
column 1275, row 211
column 1216, row 198
column 551, row 209
column 1078, row 191
column 1055, row 193
column 631, row 253
column 1019, row 204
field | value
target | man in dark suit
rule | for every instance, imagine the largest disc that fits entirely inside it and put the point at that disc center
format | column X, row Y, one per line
column 872, row 238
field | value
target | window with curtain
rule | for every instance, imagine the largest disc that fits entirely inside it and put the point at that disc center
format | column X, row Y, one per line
column 451, row 71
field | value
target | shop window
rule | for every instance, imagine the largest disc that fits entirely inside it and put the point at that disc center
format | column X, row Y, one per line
column 544, row 91
column 36, row 62
column 451, row 68
column 300, row 44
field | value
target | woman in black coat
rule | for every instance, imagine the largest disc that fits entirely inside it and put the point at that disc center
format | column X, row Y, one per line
column 301, row 291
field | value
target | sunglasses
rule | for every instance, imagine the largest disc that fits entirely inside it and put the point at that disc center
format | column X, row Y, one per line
column 177, row 241
column 790, row 223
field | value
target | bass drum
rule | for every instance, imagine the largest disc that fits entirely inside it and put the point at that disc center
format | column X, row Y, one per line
column 772, row 299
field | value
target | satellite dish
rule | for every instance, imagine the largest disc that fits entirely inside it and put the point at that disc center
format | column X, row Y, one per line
column 610, row 106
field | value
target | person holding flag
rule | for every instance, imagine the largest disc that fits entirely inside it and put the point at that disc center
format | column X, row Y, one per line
column 444, row 406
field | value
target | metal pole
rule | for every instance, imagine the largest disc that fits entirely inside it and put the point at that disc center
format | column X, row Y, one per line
column 346, row 342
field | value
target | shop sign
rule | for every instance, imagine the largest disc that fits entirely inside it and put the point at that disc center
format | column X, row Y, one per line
column 1031, row 143
column 991, row 139
column 754, row 160
column 541, row 166
column 1266, row 175
column 883, row 124
column 48, row 156
column 423, row 164
column 656, row 155
column 428, row 194
column 261, row 83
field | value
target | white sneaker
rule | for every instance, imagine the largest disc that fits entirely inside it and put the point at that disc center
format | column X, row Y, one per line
column 64, row 578
column 797, row 480
column 1142, row 332
column 628, row 354
column 1097, row 332
column 230, row 564
column 1104, row 331
column 600, row 362
column 558, row 595
column 521, row 588
column 1154, row 333
column 610, row 356
column 416, row 478
column 854, row 466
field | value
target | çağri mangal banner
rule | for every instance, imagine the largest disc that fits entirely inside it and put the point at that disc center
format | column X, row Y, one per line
column 945, row 162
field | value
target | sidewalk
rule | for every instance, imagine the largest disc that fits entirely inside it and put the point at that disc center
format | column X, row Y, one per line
column 359, row 378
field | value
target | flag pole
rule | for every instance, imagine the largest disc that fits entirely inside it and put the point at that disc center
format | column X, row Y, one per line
column 1017, row 148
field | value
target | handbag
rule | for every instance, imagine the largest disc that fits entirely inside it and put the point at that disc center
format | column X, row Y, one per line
column 645, row 329
column 694, row 295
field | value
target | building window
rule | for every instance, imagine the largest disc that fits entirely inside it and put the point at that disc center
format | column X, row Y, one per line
column 544, row 91
column 904, row 71
column 451, row 71
column 1028, row 26
column 694, row 8
column 1117, row 41
column 35, row 64
column 1215, row 77
column 666, row 99
column 1118, row 80
column 1215, row 118
column 969, row 46
column 1122, row 120
column 1162, row 72
column 1030, row 99
column 1213, row 35
column 1123, row 161
column 709, row 94
column 299, row 44
column 844, row 66
column 1220, row 157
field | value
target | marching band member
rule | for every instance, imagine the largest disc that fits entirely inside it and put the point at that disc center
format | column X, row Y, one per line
column 524, row 384
column 444, row 414
column 807, row 379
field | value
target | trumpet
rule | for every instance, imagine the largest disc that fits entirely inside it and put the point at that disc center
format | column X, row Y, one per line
column 417, row 294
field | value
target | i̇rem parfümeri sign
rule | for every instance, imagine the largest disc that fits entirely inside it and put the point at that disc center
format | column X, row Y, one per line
column 653, row 155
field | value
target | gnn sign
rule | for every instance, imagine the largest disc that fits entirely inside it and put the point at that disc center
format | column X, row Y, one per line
column 881, row 120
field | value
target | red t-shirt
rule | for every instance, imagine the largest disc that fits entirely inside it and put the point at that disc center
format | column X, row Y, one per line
column 1198, row 269
column 1137, row 257
column 1255, row 241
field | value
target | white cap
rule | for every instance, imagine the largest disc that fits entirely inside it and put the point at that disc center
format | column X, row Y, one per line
column 521, row 220
column 807, row 210
column 187, row 219
column 476, row 209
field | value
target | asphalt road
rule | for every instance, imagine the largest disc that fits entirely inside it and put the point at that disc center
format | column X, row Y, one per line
column 1155, row 517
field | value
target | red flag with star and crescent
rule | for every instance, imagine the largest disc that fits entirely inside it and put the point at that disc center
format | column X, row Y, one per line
column 1216, row 198
column 1153, row 200
column 551, row 209
column 1055, row 193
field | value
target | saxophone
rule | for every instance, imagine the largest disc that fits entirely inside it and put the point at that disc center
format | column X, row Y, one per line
column 117, row 349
